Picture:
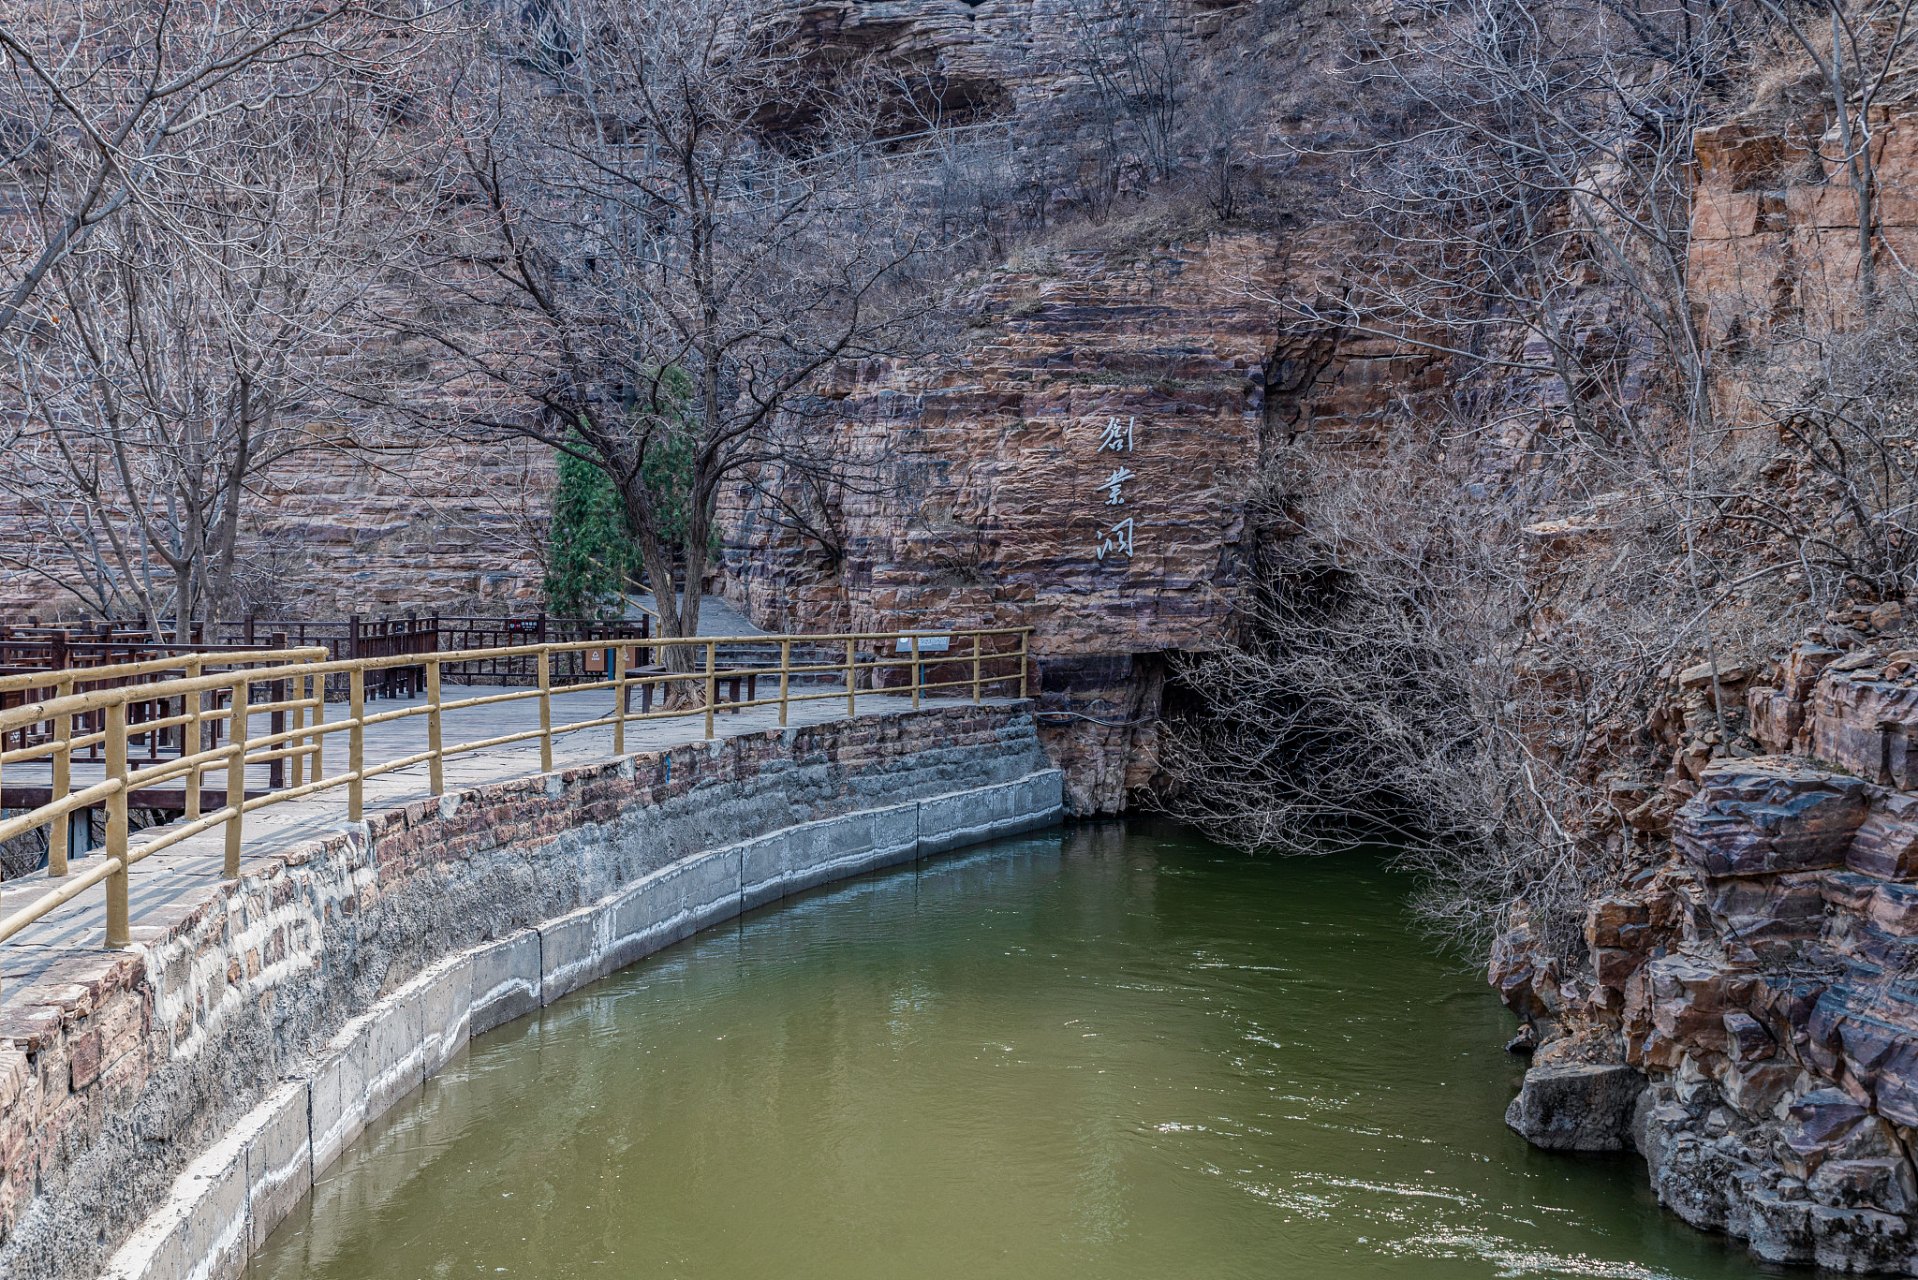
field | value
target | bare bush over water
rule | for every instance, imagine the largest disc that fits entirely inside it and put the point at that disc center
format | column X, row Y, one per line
column 1470, row 639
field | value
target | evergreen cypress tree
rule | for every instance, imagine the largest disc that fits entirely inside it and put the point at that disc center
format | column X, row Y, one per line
column 590, row 561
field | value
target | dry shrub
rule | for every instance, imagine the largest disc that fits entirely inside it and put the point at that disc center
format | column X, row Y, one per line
column 1391, row 683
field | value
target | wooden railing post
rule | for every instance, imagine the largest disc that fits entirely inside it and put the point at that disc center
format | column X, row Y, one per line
column 436, row 767
column 712, row 686
column 852, row 697
column 316, row 688
column 119, row 913
column 545, row 706
column 977, row 692
column 194, row 735
column 1025, row 665
column 618, row 673
column 356, row 744
column 297, row 761
column 915, row 673
column 59, row 838
column 785, row 678
column 236, row 734
column 276, row 725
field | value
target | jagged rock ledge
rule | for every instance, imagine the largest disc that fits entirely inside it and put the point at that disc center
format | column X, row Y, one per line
column 1747, row 1018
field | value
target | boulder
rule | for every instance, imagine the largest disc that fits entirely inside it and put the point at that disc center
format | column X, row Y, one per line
column 1688, row 1002
column 1769, row 912
column 1766, row 815
column 1756, row 1089
column 1807, row 662
column 1576, row 1106
column 1886, row 844
column 1827, row 1123
column 1774, row 717
column 1748, row 1041
column 1618, row 920
column 1860, row 1240
column 1777, row 1228
column 1884, row 1183
column 1527, row 984
column 1894, row 908
column 1863, row 722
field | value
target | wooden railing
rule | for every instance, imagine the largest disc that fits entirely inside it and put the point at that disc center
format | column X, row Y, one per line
column 684, row 677
column 161, row 721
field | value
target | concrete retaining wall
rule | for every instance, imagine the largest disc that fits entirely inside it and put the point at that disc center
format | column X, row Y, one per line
column 186, row 1096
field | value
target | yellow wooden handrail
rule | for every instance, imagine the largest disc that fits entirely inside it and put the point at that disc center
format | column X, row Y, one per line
column 690, row 684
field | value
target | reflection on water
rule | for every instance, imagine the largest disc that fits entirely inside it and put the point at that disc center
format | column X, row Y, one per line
column 1115, row 1051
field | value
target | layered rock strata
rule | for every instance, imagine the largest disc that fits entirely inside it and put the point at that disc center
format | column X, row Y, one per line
column 1081, row 464
column 414, row 526
column 1748, row 1018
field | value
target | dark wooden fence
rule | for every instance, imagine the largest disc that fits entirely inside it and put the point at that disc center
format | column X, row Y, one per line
column 356, row 638
column 36, row 646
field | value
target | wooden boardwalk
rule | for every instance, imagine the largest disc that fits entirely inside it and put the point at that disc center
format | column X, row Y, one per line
column 169, row 883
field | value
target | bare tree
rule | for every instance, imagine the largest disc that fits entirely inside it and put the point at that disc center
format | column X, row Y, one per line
column 1384, row 686
column 1836, row 502
column 1216, row 136
column 1856, row 48
column 970, row 177
column 197, row 340
column 678, row 227
column 99, row 101
column 1524, row 224
column 1136, row 62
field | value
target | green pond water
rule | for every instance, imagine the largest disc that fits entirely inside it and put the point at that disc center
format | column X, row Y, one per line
column 1110, row 1052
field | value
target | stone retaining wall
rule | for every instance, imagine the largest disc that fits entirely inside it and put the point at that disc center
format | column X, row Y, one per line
column 256, row 1034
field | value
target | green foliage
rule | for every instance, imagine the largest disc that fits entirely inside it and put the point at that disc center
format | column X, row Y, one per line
column 668, row 473
column 590, row 559
column 671, row 432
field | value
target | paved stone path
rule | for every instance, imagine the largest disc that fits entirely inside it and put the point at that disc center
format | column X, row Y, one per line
column 190, row 867
column 717, row 615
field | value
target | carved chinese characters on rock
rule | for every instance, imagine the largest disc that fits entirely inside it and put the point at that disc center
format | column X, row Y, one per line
column 1117, row 439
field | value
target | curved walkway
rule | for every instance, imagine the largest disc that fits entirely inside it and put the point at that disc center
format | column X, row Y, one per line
column 168, row 884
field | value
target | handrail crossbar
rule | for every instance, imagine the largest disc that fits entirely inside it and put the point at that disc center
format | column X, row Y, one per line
column 99, row 709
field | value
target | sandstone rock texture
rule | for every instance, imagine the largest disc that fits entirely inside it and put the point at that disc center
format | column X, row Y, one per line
column 1155, row 372
column 1762, row 981
column 983, row 497
column 1775, row 222
column 1576, row 1106
column 415, row 525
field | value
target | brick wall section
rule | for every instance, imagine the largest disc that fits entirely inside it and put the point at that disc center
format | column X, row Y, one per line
column 120, row 1068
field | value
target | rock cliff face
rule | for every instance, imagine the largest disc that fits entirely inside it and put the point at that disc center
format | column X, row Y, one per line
column 1774, row 235
column 1080, row 465
column 424, row 526
column 1746, row 1013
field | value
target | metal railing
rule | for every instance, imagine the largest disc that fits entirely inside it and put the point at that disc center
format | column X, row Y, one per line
column 684, row 675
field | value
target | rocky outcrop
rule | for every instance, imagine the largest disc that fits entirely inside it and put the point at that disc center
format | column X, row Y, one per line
column 1774, row 234
column 1762, row 982
column 1756, row 966
column 423, row 526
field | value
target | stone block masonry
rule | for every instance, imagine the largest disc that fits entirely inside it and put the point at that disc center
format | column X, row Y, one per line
column 161, row 1109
